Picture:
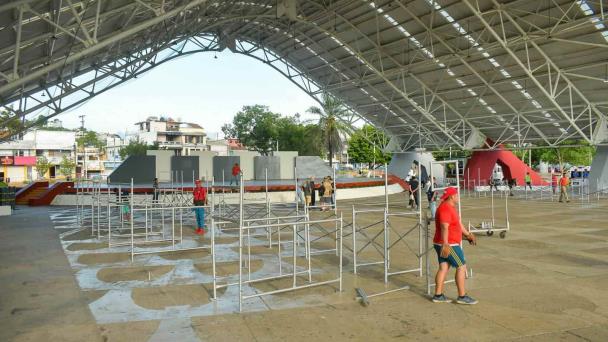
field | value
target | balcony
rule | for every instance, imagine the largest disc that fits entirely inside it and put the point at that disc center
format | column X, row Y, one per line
column 179, row 145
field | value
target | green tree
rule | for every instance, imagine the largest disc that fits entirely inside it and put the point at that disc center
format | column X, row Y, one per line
column 66, row 167
column 453, row 154
column 332, row 115
column 564, row 155
column 293, row 135
column 11, row 125
column 89, row 139
column 42, row 166
column 255, row 127
column 365, row 146
column 134, row 148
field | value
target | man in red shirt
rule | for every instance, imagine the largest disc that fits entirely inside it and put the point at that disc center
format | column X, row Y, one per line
column 563, row 187
column 236, row 170
column 447, row 242
column 200, row 199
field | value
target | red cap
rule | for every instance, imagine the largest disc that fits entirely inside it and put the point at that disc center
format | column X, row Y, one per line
column 449, row 192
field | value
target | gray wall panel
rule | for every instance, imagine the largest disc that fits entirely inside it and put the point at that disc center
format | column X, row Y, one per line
column 205, row 163
column 224, row 163
column 246, row 163
column 184, row 168
column 312, row 166
column 288, row 162
column 598, row 178
column 141, row 168
column 272, row 163
column 163, row 163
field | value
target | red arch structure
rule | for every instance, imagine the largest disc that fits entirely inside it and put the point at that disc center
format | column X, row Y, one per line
column 481, row 164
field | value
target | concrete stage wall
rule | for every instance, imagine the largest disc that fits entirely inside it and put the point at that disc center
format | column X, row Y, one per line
column 224, row 163
column 401, row 163
column 247, row 165
column 205, row 163
column 233, row 198
column 141, row 168
column 312, row 166
column 185, row 168
column 163, row 163
column 288, row 162
column 271, row 163
column 598, row 178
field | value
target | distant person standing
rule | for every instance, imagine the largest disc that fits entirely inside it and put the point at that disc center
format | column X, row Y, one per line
column 199, row 199
column 313, row 195
column 427, row 190
column 155, row 190
column 528, row 179
column 511, row 183
column 563, row 188
column 554, row 181
column 306, row 191
column 236, row 171
column 433, row 198
column 414, row 186
column 327, row 193
column 448, row 237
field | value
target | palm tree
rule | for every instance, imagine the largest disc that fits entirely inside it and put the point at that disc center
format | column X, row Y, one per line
column 332, row 117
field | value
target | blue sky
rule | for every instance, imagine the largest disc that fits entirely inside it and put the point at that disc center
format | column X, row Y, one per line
column 196, row 88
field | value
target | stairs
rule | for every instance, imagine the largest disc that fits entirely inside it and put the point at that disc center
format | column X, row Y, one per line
column 34, row 193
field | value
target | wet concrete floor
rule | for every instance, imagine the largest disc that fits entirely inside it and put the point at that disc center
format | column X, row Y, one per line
column 542, row 282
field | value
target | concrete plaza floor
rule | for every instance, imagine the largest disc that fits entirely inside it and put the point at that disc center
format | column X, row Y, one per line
column 543, row 282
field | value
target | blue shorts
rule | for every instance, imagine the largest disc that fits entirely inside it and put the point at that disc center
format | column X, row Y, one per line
column 454, row 259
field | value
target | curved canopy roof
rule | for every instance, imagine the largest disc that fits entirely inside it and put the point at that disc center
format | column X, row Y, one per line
column 430, row 73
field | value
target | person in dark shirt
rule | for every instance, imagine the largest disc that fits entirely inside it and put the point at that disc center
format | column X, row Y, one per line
column 155, row 190
column 313, row 196
column 415, row 189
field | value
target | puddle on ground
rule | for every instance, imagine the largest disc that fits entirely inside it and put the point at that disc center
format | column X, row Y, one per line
column 223, row 269
column 114, row 274
column 287, row 282
column 93, row 295
column 258, row 250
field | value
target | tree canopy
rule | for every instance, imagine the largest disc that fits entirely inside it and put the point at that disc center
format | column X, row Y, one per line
column 365, row 146
column 563, row 155
column 42, row 166
column 134, row 148
column 259, row 128
column 255, row 127
column 332, row 117
column 12, row 125
column 66, row 167
column 89, row 139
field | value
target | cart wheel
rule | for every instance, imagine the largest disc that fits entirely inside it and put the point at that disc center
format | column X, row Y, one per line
column 490, row 233
column 503, row 235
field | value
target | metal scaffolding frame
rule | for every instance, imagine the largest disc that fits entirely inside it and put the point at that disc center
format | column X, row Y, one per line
column 300, row 225
column 388, row 241
column 429, row 75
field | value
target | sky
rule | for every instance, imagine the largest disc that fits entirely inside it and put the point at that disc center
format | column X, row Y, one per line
column 197, row 88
